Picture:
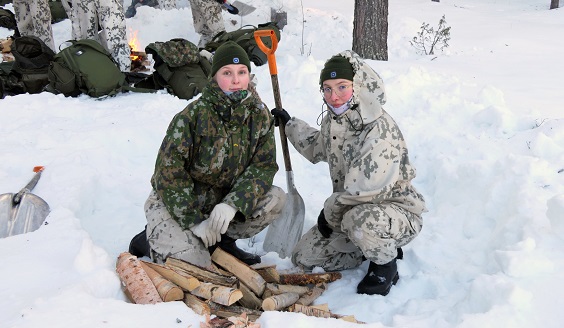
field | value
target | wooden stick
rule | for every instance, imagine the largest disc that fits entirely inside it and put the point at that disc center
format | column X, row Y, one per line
column 312, row 295
column 315, row 312
column 231, row 311
column 201, row 273
column 269, row 273
column 135, row 280
column 196, row 304
column 309, row 278
column 279, row 302
column 277, row 289
column 249, row 299
column 248, row 276
column 168, row 290
column 175, row 275
column 219, row 294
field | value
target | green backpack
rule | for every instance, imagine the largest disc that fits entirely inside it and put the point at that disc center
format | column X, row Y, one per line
column 31, row 63
column 246, row 39
column 85, row 67
column 178, row 67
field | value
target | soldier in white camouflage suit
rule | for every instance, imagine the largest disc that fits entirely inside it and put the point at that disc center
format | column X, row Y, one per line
column 208, row 20
column 88, row 16
column 34, row 18
column 213, row 175
column 374, row 209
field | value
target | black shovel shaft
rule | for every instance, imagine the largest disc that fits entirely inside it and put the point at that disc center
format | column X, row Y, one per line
column 28, row 188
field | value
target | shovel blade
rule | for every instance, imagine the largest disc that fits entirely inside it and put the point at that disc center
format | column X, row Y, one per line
column 26, row 216
column 244, row 9
column 285, row 232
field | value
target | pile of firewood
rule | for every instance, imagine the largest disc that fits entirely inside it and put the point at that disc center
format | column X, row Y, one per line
column 231, row 290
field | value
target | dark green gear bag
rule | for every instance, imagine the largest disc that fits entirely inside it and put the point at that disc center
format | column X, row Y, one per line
column 85, row 67
column 7, row 19
column 178, row 67
column 245, row 37
column 32, row 58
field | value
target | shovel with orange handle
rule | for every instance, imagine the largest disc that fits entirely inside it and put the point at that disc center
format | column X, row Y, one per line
column 283, row 234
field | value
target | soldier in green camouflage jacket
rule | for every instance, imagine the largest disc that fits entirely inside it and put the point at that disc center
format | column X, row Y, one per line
column 374, row 209
column 213, row 175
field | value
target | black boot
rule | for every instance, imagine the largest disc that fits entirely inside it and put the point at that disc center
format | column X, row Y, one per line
column 228, row 244
column 379, row 279
column 139, row 246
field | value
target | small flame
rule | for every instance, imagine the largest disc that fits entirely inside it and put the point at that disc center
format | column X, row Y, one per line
column 133, row 44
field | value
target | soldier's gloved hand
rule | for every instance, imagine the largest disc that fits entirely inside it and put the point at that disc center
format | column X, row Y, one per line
column 204, row 231
column 220, row 217
column 323, row 226
column 280, row 115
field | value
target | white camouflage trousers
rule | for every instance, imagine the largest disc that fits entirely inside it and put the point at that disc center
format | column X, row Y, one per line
column 34, row 19
column 167, row 238
column 88, row 16
column 167, row 4
column 207, row 18
column 369, row 230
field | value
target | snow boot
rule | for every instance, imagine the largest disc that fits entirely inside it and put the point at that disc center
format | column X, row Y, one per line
column 379, row 279
column 139, row 246
column 228, row 244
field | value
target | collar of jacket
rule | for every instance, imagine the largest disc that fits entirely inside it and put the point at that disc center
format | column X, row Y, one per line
column 228, row 109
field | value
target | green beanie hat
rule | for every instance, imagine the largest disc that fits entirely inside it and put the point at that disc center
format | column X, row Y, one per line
column 229, row 53
column 338, row 67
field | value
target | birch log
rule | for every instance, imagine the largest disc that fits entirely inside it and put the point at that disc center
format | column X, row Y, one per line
column 239, row 269
column 309, row 278
column 168, row 290
column 216, row 293
column 279, row 302
column 176, row 275
column 135, row 280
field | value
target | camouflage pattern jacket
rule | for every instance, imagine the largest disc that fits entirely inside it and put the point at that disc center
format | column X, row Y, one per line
column 364, row 147
column 216, row 150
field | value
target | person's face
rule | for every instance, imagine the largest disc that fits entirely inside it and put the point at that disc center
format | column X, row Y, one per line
column 233, row 77
column 336, row 92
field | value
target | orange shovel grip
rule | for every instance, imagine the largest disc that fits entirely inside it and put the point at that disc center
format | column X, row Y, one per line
column 268, row 51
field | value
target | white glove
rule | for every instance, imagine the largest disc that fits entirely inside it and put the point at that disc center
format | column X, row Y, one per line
column 220, row 217
column 204, row 231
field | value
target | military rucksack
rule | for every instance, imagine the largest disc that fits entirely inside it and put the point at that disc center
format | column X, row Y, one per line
column 245, row 38
column 31, row 62
column 7, row 19
column 178, row 67
column 85, row 67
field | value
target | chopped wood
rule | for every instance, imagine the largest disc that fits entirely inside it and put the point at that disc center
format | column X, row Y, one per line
column 196, row 304
column 248, row 276
column 168, row 290
column 201, row 273
column 277, row 289
column 309, row 278
column 312, row 295
column 178, row 276
column 223, row 311
column 249, row 299
column 316, row 312
column 136, row 280
column 279, row 302
column 268, row 273
column 219, row 294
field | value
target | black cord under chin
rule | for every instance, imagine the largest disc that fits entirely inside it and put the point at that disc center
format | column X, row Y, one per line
column 323, row 111
column 357, row 131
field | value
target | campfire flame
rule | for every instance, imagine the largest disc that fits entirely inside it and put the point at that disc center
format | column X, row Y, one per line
column 133, row 44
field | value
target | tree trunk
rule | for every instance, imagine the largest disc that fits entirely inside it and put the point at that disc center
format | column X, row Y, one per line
column 370, row 29
column 554, row 4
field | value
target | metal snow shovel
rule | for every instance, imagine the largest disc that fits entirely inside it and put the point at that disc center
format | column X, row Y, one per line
column 239, row 8
column 283, row 234
column 22, row 212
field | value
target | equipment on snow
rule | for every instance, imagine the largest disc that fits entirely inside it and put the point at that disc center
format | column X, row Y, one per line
column 283, row 234
column 239, row 8
column 22, row 212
